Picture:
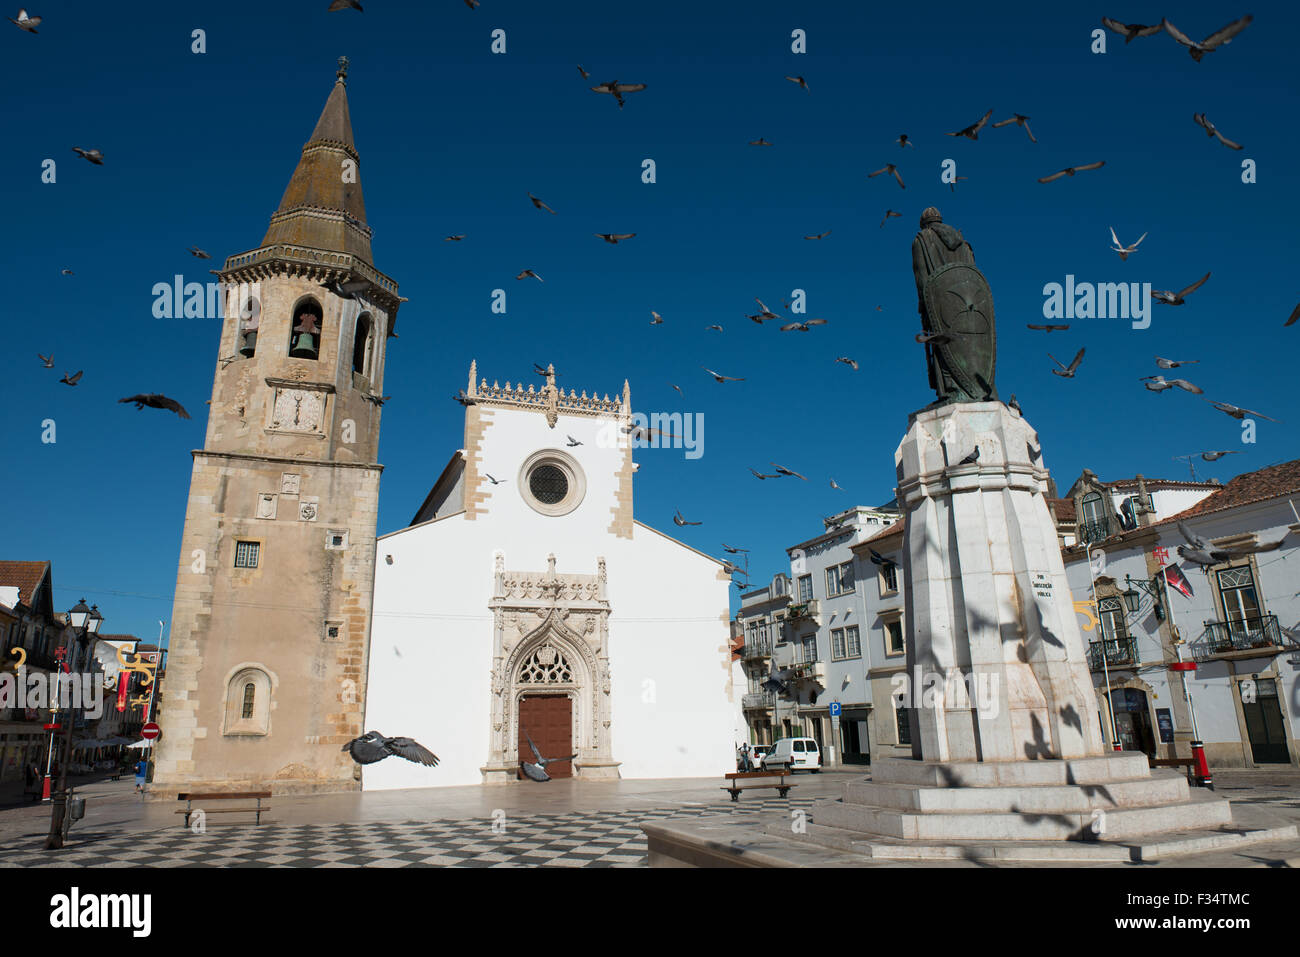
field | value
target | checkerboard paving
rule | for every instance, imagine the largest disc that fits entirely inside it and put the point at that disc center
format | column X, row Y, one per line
column 575, row 839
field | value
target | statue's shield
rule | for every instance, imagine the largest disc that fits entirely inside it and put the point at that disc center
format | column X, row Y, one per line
column 959, row 303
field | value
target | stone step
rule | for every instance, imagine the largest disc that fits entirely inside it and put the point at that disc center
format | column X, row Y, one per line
column 1116, row 766
column 1059, row 799
column 1198, row 811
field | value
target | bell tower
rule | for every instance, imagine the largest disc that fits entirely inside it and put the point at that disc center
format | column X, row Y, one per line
column 271, row 623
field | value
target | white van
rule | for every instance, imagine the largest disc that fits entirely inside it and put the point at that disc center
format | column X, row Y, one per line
column 795, row 754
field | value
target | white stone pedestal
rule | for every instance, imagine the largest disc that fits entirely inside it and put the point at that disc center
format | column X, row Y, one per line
column 987, row 605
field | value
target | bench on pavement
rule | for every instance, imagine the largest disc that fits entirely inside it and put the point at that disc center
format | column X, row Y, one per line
column 734, row 777
column 1187, row 763
column 191, row 797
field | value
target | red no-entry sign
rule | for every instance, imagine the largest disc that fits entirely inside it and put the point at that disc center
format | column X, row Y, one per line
column 150, row 732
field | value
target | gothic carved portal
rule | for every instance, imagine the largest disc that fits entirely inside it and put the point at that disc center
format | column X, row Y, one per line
column 550, row 636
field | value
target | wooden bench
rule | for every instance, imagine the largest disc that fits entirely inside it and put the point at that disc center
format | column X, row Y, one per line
column 782, row 787
column 189, row 798
column 1186, row 763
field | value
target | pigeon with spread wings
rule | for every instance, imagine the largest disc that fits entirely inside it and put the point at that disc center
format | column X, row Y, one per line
column 1212, row 42
column 1211, row 130
column 1131, row 31
column 536, row 771
column 616, row 89
column 1071, row 170
column 1170, row 298
column 155, row 400
column 973, row 131
column 1124, row 251
column 889, row 168
column 1067, row 372
column 373, row 746
column 1020, row 120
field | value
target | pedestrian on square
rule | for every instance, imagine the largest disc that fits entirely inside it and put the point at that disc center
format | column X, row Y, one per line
column 141, row 770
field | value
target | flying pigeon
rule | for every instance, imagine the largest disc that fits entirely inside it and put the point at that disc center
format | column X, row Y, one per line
column 1124, row 251
column 714, row 327
column 1130, row 31
column 464, row 399
column 1174, row 363
column 69, row 272
column 1201, row 552
column 835, row 486
column 879, row 559
column 852, row 363
column 492, row 479
column 643, row 434
column 24, row 22
column 1236, row 412
column 889, row 168
column 763, row 312
column 1295, row 314
column 585, row 74
column 157, row 401
column 819, row 235
column 48, row 360
column 904, row 141
column 799, row 81
column 1071, row 170
column 973, row 131
column 347, row 289
column 94, row 156
column 528, row 272
column 345, row 5
column 1020, row 120
column 733, row 549
column 1176, row 298
column 614, row 238
column 1210, row 43
column 198, row 253
column 373, row 746
column 782, row 470
column 616, row 89
column 537, row 771
column 1047, row 328
column 572, row 443
column 453, row 239
column 1215, row 456
column 540, row 205
column 889, row 214
column 679, row 390
column 723, row 378
column 803, row 326
column 71, row 379
column 760, row 476
column 759, row 142
column 1157, row 383
column 544, row 371
column 1066, row 372
column 655, row 318
column 680, row 521
column 1211, row 130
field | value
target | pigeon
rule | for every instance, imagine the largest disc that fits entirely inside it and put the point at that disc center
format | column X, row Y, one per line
column 679, row 521
column 715, row 326
column 1014, row 405
column 832, row 523
column 540, row 205
column 1066, row 372
column 453, row 239
column 345, row 5
column 94, row 156
column 1124, row 251
column 1174, row 363
column 585, row 74
column 1211, row 130
column 1215, row 456
column 760, row 476
column 1157, row 383
column 544, row 371
column 493, row 480
column 903, row 141
column 782, row 470
column 679, row 390
column 851, row 363
column 71, row 379
column 1071, row 170
column 889, row 214
column 347, row 288
column 733, row 569
column 1047, row 328
column 655, row 318
column 733, row 549
column 889, row 168
column 48, row 360
column 373, row 746
column 1131, row 31
column 1295, row 314
column 723, row 378
column 1201, row 552
column 803, row 326
column 799, row 81
column 528, row 272
column 879, row 559
column 157, row 401
column 643, row 434
column 24, row 22
column 464, row 399
column 375, row 397
column 759, row 142
column 472, row 4
column 614, row 238
column 819, row 235
column 69, row 272
column 537, row 771
column 972, row 458
column 572, row 443
column 198, row 253
column 1020, row 120
column 835, row 486
column 973, row 131
column 763, row 312
column 1210, row 43
column 1176, row 298
column 1235, row 411
column 616, row 89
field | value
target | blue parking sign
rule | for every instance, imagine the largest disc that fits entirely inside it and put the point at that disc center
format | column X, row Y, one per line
column 835, row 709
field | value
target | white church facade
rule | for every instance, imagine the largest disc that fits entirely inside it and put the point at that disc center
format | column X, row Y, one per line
column 525, row 600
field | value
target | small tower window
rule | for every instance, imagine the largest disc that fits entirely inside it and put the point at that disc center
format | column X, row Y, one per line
column 361, row 346
column 305, row 331
column 250, row 695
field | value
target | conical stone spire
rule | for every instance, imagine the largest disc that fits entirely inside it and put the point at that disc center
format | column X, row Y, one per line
column 322, row 207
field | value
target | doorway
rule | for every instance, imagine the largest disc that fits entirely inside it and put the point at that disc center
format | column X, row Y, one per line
column 548, row 720
column 1133, row 720
column 1264, row 724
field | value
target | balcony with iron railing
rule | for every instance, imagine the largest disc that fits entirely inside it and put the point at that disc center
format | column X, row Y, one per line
column 1094, row 531
column 757, row 650
column 804, row 612
column 806, row 669
column 759, row 701
column 1118, row 652
column 1260, row 635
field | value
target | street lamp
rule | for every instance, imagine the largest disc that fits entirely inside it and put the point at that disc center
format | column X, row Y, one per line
column 1105, row 665
column 87, row 621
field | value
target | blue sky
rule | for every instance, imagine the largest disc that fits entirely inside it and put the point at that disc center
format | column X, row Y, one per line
column 452, row 137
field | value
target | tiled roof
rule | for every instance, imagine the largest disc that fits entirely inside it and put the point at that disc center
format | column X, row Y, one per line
column 1259, row 486
column 1155, row 484
column 1063, row 509
column 25, row 576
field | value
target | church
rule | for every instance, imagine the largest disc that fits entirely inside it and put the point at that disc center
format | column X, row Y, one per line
column 523, row 596
column 525, row 601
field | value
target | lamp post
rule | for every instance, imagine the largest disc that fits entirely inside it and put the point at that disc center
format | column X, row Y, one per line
column 1105, row 666
column 87, row 621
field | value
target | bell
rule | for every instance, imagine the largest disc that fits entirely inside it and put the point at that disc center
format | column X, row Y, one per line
column 250, row 343
column 305, row 347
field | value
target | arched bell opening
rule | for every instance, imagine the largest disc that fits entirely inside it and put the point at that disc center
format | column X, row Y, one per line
column 305, row 330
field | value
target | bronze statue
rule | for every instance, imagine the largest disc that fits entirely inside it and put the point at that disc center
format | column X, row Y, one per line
column 956, row 308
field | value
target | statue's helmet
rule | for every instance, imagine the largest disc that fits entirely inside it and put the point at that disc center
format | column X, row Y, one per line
column 931, row 215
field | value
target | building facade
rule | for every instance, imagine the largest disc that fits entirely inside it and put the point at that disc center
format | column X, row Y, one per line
column 270, row 628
